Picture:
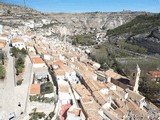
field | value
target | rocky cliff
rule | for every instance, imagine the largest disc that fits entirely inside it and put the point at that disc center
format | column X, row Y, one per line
column 66, row 23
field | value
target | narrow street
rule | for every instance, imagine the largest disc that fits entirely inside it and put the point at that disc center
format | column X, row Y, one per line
column 7, row 93
column 22, row 91
column 13, row 98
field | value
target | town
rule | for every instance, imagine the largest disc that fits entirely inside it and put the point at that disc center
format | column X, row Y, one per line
column 50, row 79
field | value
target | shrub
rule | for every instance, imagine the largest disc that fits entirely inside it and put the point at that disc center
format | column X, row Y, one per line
column 19, row 82
column 2, row 72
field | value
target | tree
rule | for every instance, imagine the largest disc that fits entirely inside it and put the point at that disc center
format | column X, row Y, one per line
column 2, row 72
column 17, row 52
column 19, row 61
column 2, row 56
column 8, row 12
column 19, row 65
column 23, row 51
column 14, row 52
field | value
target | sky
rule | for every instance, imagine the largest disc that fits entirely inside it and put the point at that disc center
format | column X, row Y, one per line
column 89, row 5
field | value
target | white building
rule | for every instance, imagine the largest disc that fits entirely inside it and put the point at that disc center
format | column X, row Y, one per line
column 64, row 94
column 1, row 29
column 38, row 62
column 18, row 43
column 46, row 56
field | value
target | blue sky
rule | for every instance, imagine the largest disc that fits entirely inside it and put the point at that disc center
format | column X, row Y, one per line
column 89, row 5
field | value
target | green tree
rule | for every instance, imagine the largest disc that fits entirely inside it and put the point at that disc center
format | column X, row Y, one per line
column 2, row 56
column 2, row 72
column 14, row 52
column 8, row 12
column 19, row 65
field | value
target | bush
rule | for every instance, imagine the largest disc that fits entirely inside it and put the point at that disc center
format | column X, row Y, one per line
column 41, row 98
column 19, row 65
column 19, row 82
column 37, row 115
column 2, row 72
column 131, row 47
column 17, row 52
column 87, row 39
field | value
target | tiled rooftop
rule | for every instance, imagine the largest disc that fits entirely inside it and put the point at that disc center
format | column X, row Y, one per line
column 37, row 60
column 35, row 89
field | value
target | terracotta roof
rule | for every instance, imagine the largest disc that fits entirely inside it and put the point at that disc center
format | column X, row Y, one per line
column 154, row 74
column 100, row 97
column 49, row 62
column 134, row 96
column 63, row 88
column 37, row 60
column 59, row 72
column 64, row 109
column 112, row 74
column 4, row 35
column 81, row 90
column 2, row 44
column 86, row 100
column 35, row 89
column 59, row 63
column 74, row 110
column 14, row 40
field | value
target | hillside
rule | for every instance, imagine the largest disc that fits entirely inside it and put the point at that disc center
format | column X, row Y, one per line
column 80, row 23
column 15, row 9
column 144, row 31
column 67, row 23
column 141, row 24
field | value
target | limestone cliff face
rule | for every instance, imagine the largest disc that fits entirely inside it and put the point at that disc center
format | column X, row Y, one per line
column 65, row 23
column 80, row 23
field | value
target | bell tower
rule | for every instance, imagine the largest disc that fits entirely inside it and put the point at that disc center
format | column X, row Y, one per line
column 136, row 85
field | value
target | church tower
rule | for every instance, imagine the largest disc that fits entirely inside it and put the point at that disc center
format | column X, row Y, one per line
column 136, row 85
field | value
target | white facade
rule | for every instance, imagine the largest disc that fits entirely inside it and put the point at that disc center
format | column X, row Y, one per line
column 19, row 45
column 135, row 88
column 31, row 49
column 39, row 65
column 96, row 65
column 1, row 29
column 64, row 98
column 60, row 77
column 46, row 56
column 26, row 38
column 71, row 76
column 61, row 57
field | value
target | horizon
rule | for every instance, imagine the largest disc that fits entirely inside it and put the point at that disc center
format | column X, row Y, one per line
column 73, row 6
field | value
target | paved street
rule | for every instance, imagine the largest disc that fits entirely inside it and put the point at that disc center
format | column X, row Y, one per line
column 10, row 95
column 7, row 93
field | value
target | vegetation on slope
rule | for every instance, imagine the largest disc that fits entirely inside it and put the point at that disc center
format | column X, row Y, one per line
column 2, row 72
column 86, row 39
column 106, row 56
column 131, row 47
column 141, row 24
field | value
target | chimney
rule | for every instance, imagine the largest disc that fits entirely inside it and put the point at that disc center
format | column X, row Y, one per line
column 136, row 85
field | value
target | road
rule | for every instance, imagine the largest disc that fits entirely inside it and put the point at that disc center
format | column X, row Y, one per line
column 7, row 93
column 10, row 94
column 22, row 91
